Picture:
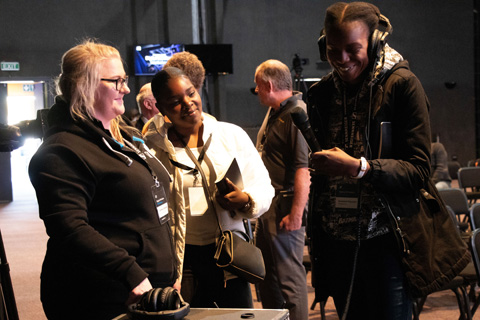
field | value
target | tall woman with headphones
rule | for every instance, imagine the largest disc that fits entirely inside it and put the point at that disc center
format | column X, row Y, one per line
column 360, row 195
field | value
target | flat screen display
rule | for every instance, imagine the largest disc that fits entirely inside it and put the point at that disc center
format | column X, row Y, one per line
column 150, row 58
column 216, row 58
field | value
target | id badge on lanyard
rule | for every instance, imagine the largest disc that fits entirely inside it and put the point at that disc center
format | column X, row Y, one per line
column 158, row 193
column 347, row 196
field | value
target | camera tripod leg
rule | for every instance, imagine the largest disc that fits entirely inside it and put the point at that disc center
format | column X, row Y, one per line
column 8, row 308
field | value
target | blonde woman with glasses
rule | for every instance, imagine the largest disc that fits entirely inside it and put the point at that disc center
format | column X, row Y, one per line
column 101, row 194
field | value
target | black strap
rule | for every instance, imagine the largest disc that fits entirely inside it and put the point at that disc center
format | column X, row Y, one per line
column 272, row 116
column 198, row 167
column 265, row 130
column 146, row 159
column 208, row 195
column 200, row 157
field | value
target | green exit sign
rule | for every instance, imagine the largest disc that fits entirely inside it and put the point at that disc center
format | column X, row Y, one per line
column 10, row 66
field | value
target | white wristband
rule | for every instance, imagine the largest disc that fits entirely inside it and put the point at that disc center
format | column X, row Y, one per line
column 363, row 168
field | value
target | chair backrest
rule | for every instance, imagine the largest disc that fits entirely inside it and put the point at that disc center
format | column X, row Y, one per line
column 475, row 249
column 455, row 219
column 456, row 199
column 453, row 167
column 475, row 216
column 469, row 177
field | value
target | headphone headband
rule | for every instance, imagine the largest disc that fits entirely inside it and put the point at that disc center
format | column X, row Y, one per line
column 385, row 24
column 376, row 43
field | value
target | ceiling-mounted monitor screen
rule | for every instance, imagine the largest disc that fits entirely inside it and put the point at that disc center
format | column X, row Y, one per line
column 216, row 58
column 150, row 58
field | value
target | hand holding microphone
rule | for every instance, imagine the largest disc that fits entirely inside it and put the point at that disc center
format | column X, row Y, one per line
column 333, row 162
column 300, row 119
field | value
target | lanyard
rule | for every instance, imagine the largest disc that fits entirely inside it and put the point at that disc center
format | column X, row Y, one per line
column 146, row 159
column 272, row 116
column 200, row 157
column 349, row 138
column 265, row 130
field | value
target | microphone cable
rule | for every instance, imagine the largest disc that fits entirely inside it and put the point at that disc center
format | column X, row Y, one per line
column 368, row 151
column 354, row 269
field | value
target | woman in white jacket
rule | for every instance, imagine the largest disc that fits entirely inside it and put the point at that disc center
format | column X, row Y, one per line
column 215, row 144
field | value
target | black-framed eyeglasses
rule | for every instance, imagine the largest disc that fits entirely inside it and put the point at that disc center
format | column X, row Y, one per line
column 119, row 83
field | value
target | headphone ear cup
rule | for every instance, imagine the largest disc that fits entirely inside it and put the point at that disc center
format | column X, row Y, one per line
column 379, row 37
column 143, row 303
column 159, row 304
column 169, row 299
column 385, row 23
column 322, row 45
column 374, row 45
column 151, row 303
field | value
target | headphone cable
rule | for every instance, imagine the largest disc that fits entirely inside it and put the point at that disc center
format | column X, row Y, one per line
column 354, row 269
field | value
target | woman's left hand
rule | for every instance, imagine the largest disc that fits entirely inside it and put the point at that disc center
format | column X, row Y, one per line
column 137, row 292
column 178, row 285
column 234, row 200
column 334, row 162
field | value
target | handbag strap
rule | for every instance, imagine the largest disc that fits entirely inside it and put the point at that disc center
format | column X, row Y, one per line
column 208, row 194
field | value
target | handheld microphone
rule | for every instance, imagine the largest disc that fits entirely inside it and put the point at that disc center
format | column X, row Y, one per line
column 300, row 119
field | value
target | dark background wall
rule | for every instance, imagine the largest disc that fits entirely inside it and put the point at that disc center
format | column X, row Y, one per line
column 436, row 37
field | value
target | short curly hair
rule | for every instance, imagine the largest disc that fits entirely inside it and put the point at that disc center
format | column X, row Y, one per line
column 190, row 65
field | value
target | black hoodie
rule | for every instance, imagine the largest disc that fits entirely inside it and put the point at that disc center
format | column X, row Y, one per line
column 95, row 198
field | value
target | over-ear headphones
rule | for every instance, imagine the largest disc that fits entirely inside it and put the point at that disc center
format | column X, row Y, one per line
column 375, row 45
column 159, row 303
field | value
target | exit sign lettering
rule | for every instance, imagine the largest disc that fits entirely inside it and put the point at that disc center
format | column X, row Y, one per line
column 10, row 66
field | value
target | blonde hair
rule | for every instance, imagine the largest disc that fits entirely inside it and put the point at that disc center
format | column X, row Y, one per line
column 80, row 78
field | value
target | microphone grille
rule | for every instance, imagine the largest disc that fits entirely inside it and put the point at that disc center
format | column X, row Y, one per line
column 299, row 116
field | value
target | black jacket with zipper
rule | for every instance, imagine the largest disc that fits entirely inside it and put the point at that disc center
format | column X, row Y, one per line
column 432, row 251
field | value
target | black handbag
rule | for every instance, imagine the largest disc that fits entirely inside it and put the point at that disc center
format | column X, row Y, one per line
column 235, row 250
column 237, row 254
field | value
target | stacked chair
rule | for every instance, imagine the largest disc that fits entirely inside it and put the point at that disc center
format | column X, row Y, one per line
column 458, row 205
column 469, row 181
column 456, row 200
column 475, row 216
column 475, row 248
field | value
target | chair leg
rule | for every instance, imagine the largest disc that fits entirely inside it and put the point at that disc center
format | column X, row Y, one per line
column 460, row 303
column 257, row 291
column 463, row 303
column 466, row 302
column 322, row 309
column 473, row 297
column 417, row 306
column 475, row 306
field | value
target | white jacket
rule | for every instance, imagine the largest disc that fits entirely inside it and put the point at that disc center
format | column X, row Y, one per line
column 229, row 141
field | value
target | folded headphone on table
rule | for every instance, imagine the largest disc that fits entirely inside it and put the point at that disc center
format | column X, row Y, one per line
column 375, row 45
column 159, row 303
